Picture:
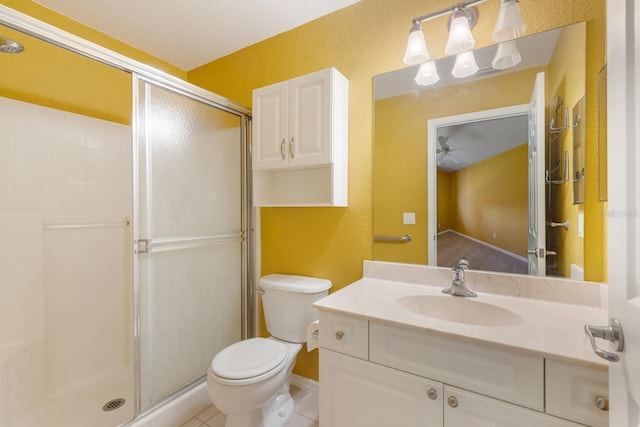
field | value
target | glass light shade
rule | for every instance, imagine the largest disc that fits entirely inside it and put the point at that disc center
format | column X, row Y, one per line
column 460, row 38
column 465, row 65
column 416, row 52
column 507, row 55
column 427, row 74
column 509, row 25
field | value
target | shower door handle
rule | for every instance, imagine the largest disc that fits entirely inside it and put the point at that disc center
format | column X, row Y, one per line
column 142, row 246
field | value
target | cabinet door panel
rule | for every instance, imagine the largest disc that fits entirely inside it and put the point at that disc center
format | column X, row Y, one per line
column 310, row 119
column 571, row 392
column 357, row 393
column 475, row 410
column 270, row 126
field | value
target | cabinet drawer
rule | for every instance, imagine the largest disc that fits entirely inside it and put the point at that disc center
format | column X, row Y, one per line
column 344, row 334
column 512, row 377
column 464, row 408
column 571, row 392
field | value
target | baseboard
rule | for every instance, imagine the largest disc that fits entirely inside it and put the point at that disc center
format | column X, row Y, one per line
column 305, row 384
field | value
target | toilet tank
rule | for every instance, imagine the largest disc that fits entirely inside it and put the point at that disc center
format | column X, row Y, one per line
column 286, row 301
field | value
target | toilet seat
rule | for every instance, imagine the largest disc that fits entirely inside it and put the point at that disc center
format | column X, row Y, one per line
column 253, row 359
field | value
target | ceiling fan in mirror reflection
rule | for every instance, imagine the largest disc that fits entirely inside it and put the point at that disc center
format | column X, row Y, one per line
column 444, row 151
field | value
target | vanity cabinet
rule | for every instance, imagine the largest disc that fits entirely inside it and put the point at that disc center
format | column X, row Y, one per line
column 378, row 374
column 299, row 149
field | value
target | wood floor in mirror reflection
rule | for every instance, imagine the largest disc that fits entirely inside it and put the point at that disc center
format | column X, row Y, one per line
column 452, row 246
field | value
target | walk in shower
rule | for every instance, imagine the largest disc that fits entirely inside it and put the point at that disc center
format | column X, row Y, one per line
column 124, row 232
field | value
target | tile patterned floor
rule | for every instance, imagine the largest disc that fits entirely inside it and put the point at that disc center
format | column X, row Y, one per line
column 305, row 415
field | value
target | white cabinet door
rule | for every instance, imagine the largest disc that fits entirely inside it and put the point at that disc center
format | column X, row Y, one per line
column 310, row 100
column 357, row 393
column 293, row 121
column 270, row 148
column 463, row 409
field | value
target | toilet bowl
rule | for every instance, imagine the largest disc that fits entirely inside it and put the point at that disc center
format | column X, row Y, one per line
column 249, row 381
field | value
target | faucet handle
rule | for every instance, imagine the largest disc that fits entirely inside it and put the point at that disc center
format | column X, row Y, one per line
column 463, row 263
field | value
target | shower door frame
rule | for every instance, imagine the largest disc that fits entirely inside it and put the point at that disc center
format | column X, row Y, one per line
column 139, row 246
column 138, row 70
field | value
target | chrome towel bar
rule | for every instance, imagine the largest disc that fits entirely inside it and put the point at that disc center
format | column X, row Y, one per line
column 406, row 238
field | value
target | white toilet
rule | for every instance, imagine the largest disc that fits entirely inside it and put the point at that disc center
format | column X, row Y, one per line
column 249, row 380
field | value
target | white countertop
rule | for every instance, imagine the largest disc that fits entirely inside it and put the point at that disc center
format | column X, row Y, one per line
column 550, row 329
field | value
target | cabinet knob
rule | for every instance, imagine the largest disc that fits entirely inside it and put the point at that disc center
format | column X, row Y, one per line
column 601, row 403
column 452, row 401
column 339, row 335
column 432, row 394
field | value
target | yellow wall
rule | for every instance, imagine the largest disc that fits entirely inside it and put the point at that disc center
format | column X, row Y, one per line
column 54, row 77
column 491, row 197
column 400, row 161
column 363, row 40
column 565, row 80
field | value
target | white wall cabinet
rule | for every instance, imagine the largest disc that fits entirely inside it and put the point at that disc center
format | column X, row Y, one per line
column 374, row 374
column 299, row 151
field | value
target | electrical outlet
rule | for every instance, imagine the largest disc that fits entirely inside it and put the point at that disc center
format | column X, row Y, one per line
column 409, row 218
column 581, row 225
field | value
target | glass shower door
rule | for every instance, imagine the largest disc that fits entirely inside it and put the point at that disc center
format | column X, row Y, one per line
column 190, row 240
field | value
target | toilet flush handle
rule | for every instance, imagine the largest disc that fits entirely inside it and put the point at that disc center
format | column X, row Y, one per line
column 260, row 290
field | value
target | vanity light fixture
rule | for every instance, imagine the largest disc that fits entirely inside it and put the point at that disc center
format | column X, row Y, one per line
column 465, row 65
column 507, row 55
column 460, row 37
column 427, row 74
column 509, row 26
column 416, row 52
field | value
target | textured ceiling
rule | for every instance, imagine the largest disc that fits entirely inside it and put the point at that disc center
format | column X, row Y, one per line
column 191, row 33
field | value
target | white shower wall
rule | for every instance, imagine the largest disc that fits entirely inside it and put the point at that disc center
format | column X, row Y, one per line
column 65, row 257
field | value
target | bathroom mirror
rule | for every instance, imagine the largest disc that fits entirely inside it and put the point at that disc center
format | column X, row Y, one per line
column 475, row 132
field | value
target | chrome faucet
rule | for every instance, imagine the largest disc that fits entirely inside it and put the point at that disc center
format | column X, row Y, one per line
column 458, row 286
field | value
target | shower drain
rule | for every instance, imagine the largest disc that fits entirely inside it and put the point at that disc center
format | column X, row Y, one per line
column 113, row 404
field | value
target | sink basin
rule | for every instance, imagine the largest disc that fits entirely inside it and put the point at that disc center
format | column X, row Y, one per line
column 459, row 310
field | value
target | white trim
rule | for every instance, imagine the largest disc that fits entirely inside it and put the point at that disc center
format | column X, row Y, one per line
column 432, row 187
column 39, row 29
column 305, row 384
column 257, row 270
column 489, row 245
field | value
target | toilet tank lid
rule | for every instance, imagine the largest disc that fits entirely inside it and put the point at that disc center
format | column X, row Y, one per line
column 293, row 283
